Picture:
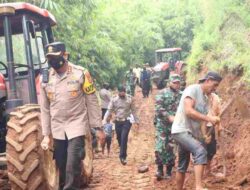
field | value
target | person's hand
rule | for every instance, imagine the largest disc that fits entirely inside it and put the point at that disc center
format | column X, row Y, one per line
column 214, row 119
column 171, row 118
column 207, row 139
column 45, row 143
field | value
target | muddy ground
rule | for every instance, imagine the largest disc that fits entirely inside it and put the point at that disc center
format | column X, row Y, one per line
column 109, row 174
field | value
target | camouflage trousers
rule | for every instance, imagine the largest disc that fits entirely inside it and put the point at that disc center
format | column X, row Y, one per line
column 164, row 145
column 130, row 89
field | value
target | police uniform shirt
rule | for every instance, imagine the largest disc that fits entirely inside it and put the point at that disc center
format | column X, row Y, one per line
column 69, row 104
column 105, row 96
column 122, row 108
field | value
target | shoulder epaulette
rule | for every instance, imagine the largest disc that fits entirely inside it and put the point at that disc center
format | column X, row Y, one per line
column 77, row 67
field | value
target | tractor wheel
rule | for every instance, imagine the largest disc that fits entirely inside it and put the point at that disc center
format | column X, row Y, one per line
column 30, row 167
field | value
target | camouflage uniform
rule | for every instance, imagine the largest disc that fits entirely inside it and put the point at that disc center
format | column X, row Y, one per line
column 167, row 102
column 130, row 83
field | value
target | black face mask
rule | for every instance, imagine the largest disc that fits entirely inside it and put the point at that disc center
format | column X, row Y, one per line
column 57, row 62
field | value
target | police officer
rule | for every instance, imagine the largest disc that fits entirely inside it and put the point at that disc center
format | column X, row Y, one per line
column 166, row 105
column 105, row 96
column 69, row 106
column 123, row 106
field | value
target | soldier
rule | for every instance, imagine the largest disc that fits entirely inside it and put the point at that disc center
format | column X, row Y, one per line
column 131, row 82
column 69, row 107
column 123, row 105
column 166, row 105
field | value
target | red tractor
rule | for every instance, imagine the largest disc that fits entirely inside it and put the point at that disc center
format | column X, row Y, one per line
column 167, row 61
column 24, row 32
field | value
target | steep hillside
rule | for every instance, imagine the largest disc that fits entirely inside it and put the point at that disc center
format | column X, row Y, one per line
column 222, row 41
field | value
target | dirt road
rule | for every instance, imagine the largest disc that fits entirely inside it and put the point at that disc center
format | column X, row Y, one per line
column 109, row 174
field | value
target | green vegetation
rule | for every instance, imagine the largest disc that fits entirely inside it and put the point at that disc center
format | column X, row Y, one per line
column 109, row 36
column 222, row 39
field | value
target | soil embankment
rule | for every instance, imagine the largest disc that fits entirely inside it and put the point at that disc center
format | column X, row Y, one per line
column 110, row 174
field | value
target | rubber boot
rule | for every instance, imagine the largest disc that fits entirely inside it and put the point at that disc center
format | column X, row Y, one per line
column 159, row 174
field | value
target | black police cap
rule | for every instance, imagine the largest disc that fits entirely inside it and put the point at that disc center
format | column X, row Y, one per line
column 55, row 49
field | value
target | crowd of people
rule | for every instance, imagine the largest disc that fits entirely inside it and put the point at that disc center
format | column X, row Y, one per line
column 141, row 77
column 188, row 120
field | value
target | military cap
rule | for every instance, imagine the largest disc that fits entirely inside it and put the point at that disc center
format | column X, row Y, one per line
column 55, row 49
column 174, row 78
column 121, row 88
column 211, row 75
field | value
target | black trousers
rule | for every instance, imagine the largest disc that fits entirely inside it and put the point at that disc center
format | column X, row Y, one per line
column 68, row 155
column 104, row 110
column 145, row 88
column 122, row 129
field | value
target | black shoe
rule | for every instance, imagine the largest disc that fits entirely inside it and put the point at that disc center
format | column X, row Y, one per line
column 159, row 173
column 123, row 161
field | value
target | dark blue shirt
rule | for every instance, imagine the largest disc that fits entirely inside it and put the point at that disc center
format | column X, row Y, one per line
column 145, row 75
column 108, row 129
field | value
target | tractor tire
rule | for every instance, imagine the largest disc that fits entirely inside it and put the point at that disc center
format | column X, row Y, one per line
column 29, row 167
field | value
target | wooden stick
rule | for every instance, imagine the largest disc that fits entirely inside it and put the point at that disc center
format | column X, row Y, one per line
column 226, row 107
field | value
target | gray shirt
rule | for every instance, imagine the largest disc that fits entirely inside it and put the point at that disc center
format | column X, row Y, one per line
column 122, row 108
column 105, row 96
column 182, row 123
